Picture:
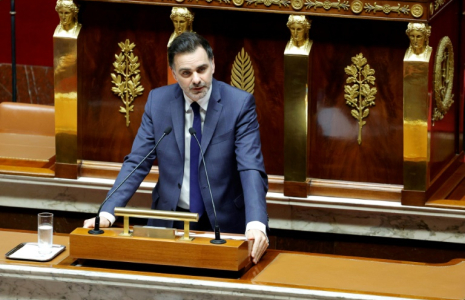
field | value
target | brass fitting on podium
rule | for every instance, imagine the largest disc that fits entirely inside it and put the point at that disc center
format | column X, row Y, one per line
column 186, row 217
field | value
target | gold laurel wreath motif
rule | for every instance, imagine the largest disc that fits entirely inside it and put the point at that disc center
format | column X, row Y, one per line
column 129, row 88
column 242, row 74
column 360, row 95
column 443, row 78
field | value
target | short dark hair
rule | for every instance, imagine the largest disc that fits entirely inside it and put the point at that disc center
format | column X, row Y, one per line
column 188, row 42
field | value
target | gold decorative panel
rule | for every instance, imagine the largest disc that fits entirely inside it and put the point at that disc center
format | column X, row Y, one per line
column 127, row 81
column 360, row 95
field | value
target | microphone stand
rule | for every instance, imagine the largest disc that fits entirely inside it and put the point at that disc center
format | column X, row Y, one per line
column 97, row 229
column 13, row 51
column 217, row 239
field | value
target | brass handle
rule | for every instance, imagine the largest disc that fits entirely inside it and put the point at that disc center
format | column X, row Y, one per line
column 156, row 214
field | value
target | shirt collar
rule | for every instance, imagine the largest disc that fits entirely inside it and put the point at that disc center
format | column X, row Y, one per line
column 203, row 102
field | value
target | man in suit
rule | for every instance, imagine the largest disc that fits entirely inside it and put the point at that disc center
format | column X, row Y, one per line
column 225, row 122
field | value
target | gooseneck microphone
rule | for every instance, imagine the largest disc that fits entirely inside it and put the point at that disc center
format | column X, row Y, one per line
column 217, row 239
column 97, row 229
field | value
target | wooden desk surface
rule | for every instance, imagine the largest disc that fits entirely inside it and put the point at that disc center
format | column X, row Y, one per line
column 304, row 271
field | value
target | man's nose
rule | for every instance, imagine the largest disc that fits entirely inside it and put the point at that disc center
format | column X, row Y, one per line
column 196, row 78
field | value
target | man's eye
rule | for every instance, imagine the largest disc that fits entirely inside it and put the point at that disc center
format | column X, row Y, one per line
column 185, row 73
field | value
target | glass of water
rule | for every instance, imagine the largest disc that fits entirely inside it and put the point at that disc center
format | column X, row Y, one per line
column 45, row 232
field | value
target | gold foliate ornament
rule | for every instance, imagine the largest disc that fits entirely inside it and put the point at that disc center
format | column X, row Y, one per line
column 238, row 2
column 438, row 3
column 387, row 9
column 417, row 10
column 443, row 78
column 129, row 88
column 360, row 95
column 242, row 74
column 327, row 5
column 267, row 3
column 356, row 6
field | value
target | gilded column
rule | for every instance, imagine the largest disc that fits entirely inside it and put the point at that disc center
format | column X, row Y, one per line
column 417, row 110
column 296, row 77
column 65, row 77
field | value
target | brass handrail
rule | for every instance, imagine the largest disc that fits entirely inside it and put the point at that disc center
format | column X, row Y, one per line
column 156, row 214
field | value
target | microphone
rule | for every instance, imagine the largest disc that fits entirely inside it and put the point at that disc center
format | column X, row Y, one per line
column 97, row 229
column 217, row 239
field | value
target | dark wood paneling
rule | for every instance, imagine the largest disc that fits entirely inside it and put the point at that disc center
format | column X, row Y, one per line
column 445, row 133
column 103, row 132
column 334, row 151
column 363, row 246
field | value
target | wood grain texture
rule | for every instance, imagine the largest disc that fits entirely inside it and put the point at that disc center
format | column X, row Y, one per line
column 334, row 152
column 199, row 253
column 445, row 133
column 103, row 133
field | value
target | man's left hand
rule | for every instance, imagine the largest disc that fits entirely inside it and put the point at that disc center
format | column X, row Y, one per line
column 259, row 244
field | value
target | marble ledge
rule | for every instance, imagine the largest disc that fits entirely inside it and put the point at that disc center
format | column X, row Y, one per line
column 26, row 282
column 91, row 191
column 313, row 214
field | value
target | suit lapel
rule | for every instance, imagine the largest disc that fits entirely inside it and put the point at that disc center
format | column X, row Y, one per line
column 213, row 113
column 177, row 117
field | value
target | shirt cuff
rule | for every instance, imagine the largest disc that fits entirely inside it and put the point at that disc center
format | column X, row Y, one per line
column 256, row 225
column 108, row 216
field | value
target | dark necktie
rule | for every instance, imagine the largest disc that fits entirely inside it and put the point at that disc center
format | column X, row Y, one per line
column 196, row 202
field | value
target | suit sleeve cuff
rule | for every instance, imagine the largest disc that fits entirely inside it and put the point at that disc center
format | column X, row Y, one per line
column 108, row 216
column 255, row 225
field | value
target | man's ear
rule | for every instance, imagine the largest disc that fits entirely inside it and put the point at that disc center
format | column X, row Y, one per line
column 174, row 74
column 213, row 65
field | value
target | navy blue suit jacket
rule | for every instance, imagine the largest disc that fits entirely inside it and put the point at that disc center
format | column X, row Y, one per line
column 232, row 149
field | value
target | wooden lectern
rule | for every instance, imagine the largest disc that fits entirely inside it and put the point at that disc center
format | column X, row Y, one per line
column 117, row 244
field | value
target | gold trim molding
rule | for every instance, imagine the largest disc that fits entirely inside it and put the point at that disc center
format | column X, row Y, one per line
column 443, row 78
column 360, row 95
column 268, row 3
column 327, row 5
column 127, row 65
column 242, row 73
column 387, row 9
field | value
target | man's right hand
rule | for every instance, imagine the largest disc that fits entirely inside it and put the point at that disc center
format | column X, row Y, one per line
column 90, row 223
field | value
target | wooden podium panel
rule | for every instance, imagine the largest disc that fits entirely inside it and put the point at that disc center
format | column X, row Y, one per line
column 364, row 276
column 199, row 253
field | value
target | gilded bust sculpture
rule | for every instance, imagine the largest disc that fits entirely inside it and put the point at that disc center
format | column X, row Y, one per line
column 299, row 43
column 67, row 12
column 182, row 20
column 418, row 33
